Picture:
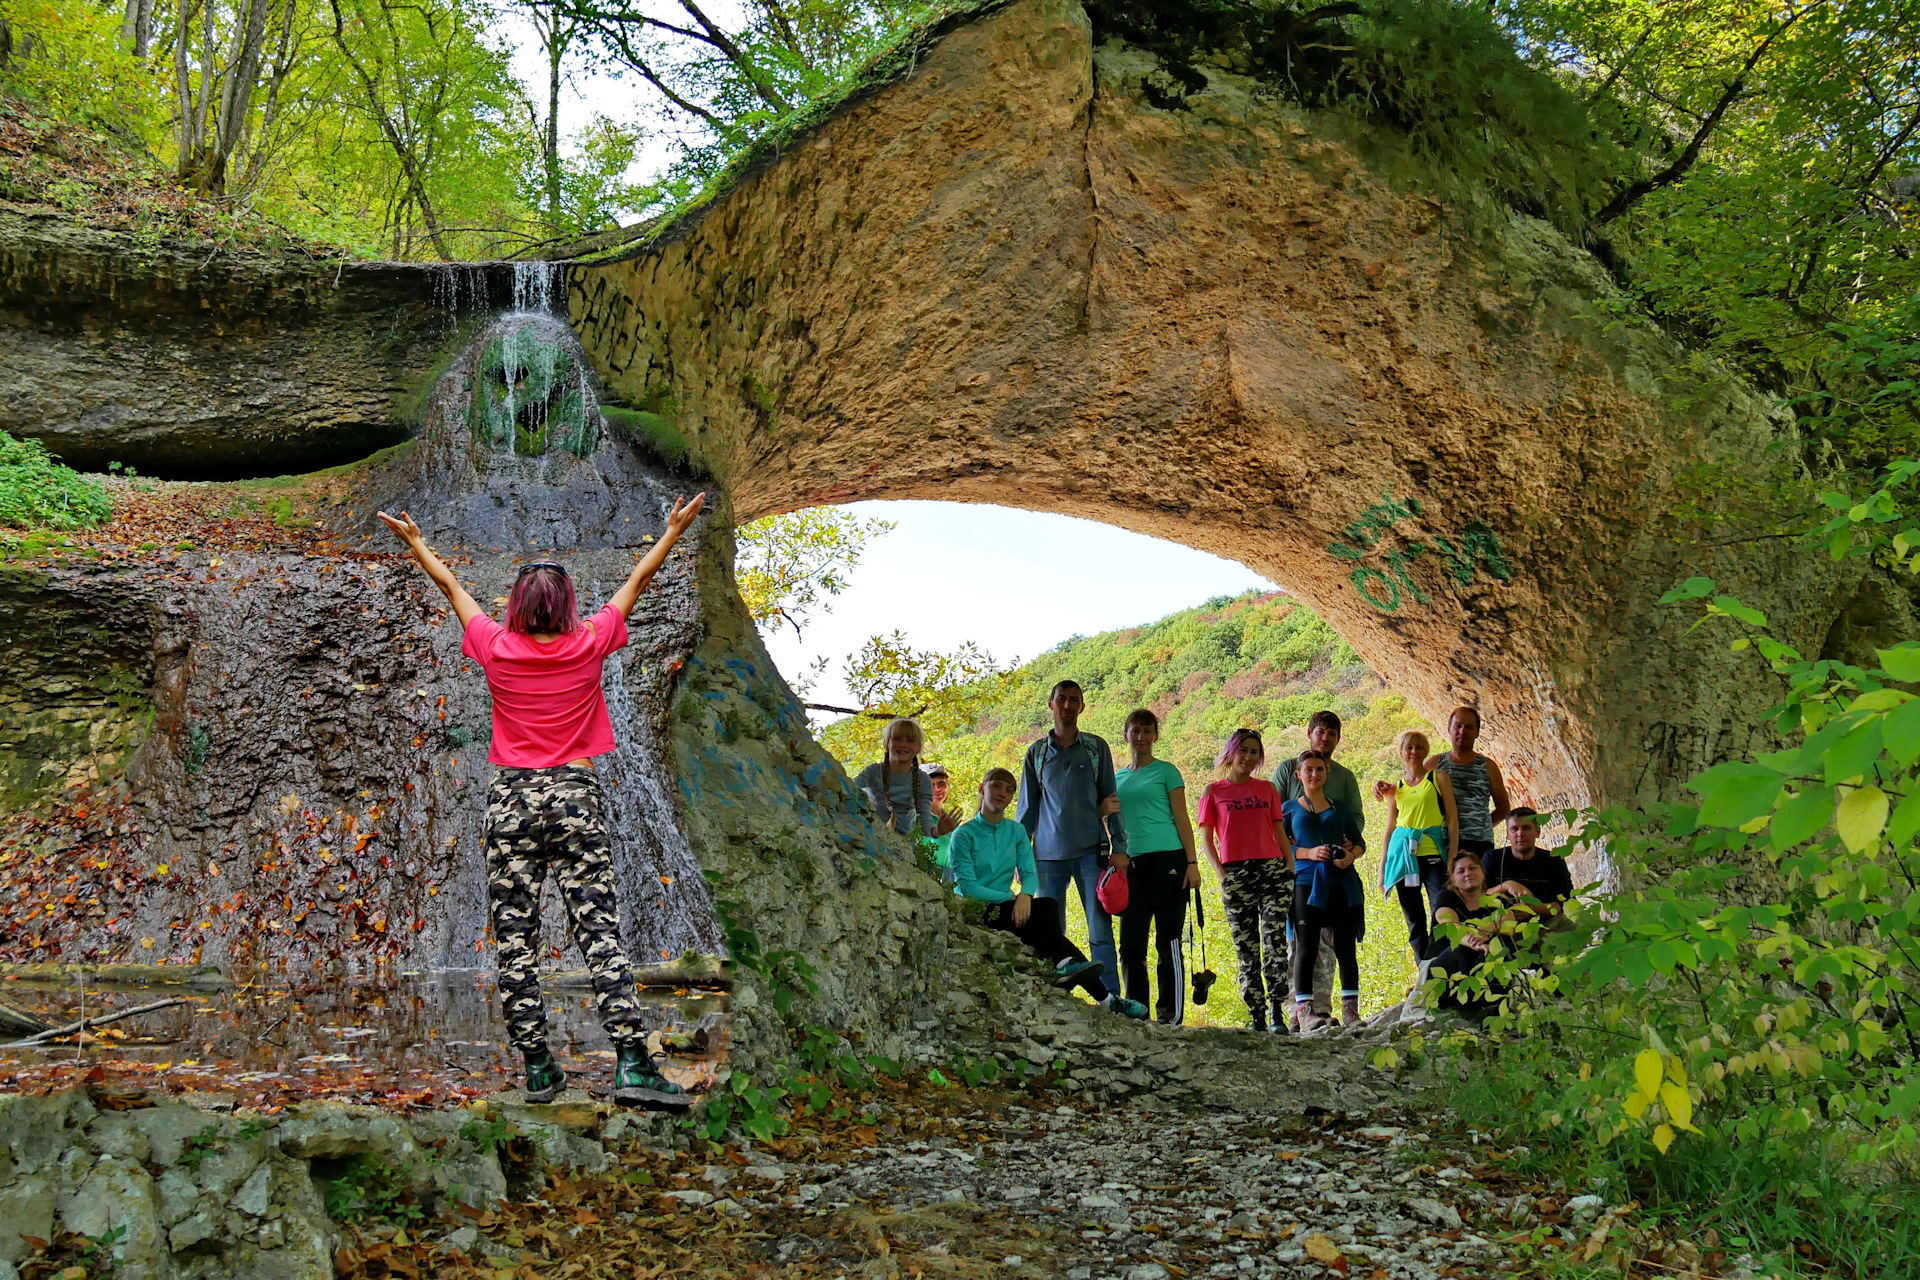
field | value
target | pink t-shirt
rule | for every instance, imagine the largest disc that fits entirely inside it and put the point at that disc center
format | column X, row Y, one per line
column 1242, row 816
column 547, row 704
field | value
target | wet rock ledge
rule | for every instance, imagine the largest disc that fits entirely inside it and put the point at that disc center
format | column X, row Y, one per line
column 196, row 1191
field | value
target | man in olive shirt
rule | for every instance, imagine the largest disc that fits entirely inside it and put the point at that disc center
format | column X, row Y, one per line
column 1343, row 789
column 1323, row 735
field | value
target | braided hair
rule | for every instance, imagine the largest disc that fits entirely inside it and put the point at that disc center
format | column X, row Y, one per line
column 886, row 767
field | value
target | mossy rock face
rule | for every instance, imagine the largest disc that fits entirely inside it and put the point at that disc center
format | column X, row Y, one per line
column 655, row 432
column 76, row 684
column 532, row 396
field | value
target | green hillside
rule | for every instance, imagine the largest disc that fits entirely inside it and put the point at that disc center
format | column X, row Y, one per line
column 1259, row 660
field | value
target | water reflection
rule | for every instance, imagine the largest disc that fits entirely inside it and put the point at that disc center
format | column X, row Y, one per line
column 283, row 1040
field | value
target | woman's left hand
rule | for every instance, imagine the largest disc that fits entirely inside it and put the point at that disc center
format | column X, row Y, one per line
column 1193, row 875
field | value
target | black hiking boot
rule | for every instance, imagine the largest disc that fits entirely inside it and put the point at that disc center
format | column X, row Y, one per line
column 545, row 1079
column 637, row 1082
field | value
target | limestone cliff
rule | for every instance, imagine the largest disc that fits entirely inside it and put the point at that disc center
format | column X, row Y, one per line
column 187, row 363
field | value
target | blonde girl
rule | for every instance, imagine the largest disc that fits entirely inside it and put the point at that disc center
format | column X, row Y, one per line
column 1423, row 835
column 896, row 789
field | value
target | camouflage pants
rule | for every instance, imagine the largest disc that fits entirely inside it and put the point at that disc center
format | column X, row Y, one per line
column 555, row 817
column 1258, row 897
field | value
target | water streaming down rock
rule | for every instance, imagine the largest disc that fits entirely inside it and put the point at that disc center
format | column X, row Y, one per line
column 666, row 910
column 516, row 455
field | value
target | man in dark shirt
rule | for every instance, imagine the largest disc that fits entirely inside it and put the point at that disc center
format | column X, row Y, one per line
column 1526, row 873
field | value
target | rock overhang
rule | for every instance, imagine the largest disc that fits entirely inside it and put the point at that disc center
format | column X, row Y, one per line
column 1020, row 275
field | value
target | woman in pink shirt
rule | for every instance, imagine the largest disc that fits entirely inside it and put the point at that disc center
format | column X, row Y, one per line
column 545, row 807
column 1246, row 840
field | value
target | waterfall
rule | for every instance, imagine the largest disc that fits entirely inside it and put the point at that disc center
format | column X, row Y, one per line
column 460, row 288
column 660, row 920
column 534, row 286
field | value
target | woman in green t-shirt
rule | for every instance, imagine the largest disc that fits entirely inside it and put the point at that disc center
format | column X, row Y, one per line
column 1160, row 870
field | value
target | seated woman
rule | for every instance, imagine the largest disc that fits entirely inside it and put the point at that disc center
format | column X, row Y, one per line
column 1327, row 891
column 1467, row 904
column 988, row 852
column 899, row 792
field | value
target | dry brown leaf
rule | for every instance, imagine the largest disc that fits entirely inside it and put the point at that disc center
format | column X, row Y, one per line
column 1321, row 1249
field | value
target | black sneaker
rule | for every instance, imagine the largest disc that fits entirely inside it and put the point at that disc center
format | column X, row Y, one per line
column 545, row 1079
column 637, row 1082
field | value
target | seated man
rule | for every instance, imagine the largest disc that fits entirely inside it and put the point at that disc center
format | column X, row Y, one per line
column 987, row 852
column 1466, row 903
column 1532, row 881
column 945, row 820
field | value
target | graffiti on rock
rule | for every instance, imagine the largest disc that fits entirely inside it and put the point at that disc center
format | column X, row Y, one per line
column 1473, row 550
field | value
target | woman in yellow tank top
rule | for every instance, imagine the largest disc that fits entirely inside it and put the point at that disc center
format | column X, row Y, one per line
column 1423, row 834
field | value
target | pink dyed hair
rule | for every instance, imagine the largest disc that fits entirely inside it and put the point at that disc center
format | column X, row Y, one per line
column 1233, row 745
column 542, row 603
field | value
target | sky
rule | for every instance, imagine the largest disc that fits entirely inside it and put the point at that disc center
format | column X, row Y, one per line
column 953, row 572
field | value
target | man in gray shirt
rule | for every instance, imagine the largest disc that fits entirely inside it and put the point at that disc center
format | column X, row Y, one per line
column 1071, row 812
column 1343, row 789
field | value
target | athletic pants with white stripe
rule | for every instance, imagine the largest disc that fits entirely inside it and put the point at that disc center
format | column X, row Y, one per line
column 1156, row 902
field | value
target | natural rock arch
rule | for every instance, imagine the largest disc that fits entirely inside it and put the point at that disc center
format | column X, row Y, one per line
column 1241, row 325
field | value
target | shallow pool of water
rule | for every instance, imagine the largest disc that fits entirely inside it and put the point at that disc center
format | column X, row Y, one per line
column 273, row 1042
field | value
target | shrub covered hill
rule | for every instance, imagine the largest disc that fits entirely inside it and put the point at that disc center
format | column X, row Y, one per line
column 1258, row 660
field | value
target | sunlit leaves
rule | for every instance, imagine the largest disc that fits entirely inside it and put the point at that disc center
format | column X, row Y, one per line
column 790, row 566
column 1736, row 792
column 1860, row 817
column 1801, row 817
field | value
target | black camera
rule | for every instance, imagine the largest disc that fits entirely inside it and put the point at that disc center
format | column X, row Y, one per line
column 1202, row 983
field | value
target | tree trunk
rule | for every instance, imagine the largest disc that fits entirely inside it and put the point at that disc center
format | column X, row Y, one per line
column 236, row 93
column 186, row 127
column 411, row 167
column 556, row 43
column 137, row 27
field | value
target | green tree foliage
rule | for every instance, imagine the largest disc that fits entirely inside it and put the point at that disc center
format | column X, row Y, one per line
column 1743, row 1006
column 38, row 493
column 733, row 77
column 944, row 692
column 388, row 127
column 1766, row 205
column 787, row 566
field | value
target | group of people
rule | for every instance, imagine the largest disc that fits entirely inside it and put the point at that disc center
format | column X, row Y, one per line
column 1287, row 848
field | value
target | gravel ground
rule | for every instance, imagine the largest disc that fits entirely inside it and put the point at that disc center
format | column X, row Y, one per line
column 1016, row 1187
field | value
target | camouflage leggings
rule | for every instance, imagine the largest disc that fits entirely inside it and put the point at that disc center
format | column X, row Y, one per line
column 1258, row 897
column 537, row 817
